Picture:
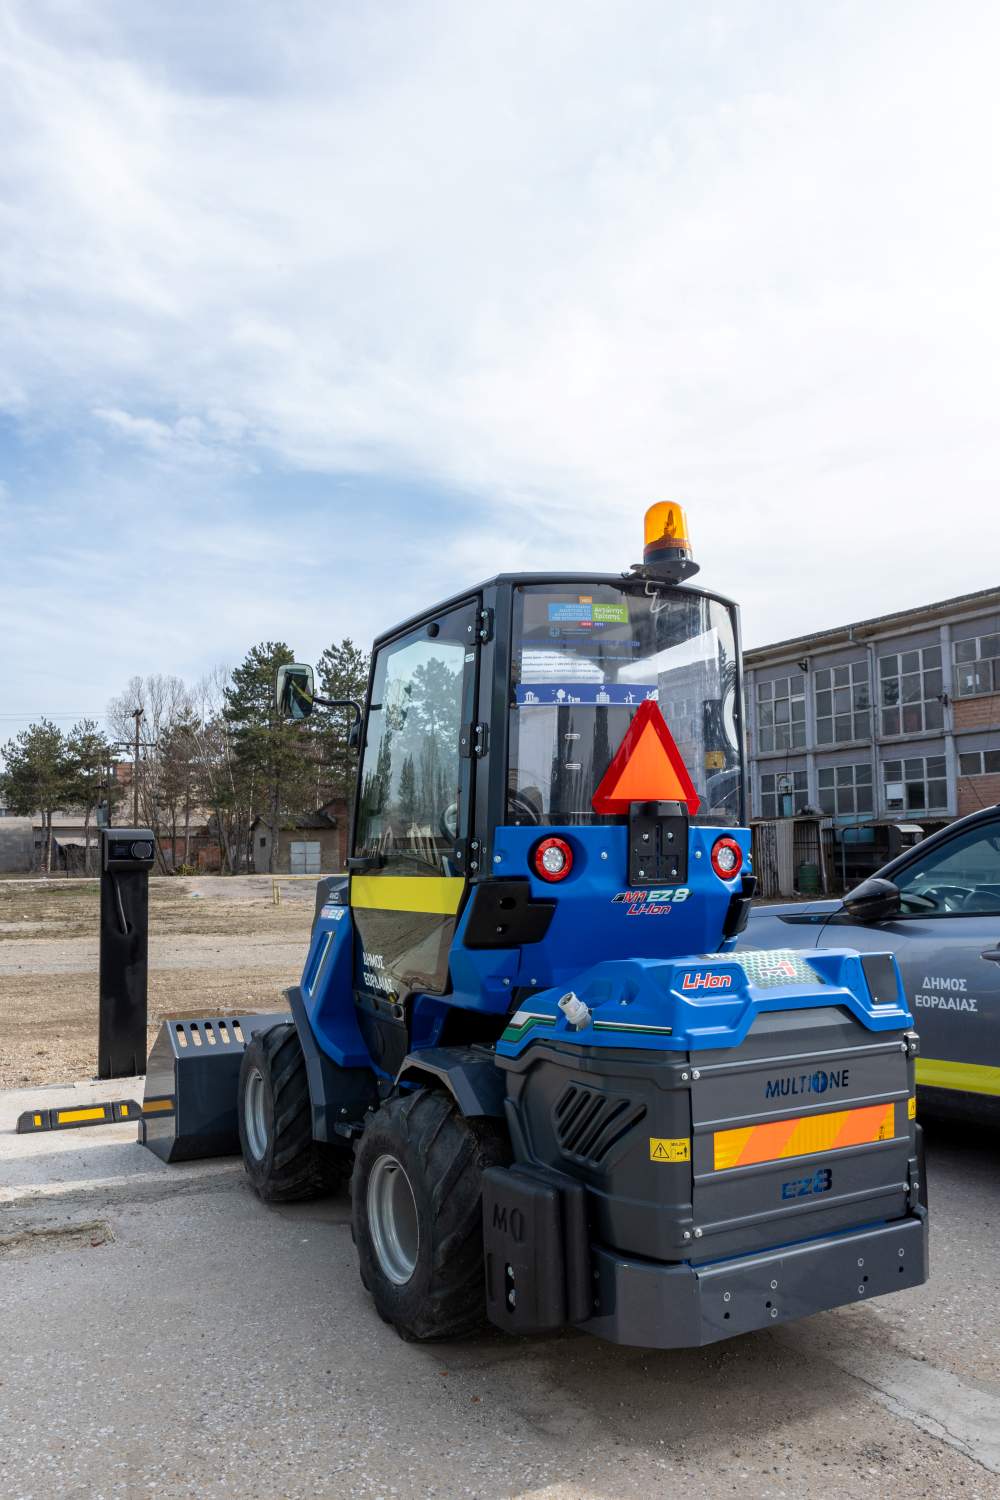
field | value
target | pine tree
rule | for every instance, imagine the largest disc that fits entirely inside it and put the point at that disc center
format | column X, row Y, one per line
column 275, row 759
column 90, row 779
column 407, row 793
column 342, row 672
column 36, row 777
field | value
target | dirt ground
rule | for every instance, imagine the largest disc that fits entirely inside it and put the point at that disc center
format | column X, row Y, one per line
column 217, row 947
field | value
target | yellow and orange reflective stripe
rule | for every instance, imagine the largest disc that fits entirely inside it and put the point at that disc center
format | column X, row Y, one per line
column 804, row 1136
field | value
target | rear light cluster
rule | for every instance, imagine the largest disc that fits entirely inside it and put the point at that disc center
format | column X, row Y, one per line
column 552, row 859
column 727, row 858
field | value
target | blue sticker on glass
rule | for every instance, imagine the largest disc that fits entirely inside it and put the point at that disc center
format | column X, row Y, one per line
column 570, row 611
column 593, row 694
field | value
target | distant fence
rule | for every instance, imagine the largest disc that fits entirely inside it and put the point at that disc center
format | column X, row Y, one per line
column 790, row 857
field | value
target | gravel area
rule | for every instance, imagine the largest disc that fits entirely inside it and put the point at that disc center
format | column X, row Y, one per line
column 216, row 946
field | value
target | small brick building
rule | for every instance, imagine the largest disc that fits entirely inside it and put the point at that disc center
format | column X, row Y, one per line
column 314, row 844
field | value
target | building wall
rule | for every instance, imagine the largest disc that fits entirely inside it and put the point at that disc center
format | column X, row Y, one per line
column 978, row 713
column 975, row 792
column 17, row 845
column 328, row 840
column 332, row 841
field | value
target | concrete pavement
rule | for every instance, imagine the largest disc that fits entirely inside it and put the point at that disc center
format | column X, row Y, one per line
column 166, row 1334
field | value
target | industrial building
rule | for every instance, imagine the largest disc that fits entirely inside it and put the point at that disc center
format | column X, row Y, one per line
column 873, row 734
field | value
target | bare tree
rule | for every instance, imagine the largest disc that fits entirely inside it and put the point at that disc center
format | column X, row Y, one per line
column 165, row 703
column 223, row 787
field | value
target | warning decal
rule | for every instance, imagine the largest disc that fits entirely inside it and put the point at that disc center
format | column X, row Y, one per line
column 667, row 1150
column 647, row 767
column 777, row 1139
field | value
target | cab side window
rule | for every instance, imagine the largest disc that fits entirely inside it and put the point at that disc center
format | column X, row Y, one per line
column 962, row 876
column 411, row 770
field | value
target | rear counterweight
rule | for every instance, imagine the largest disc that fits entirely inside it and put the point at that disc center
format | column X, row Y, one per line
column 747, row 1166
column 804, row 1129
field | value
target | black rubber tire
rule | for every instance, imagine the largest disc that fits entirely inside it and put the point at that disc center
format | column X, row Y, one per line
column 293, row 1165
column 444, row 1156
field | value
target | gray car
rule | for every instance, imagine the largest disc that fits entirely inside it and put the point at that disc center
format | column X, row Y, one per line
column 937, row 907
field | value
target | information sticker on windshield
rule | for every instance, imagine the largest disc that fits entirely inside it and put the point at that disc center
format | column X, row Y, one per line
column 584, row 611
column 594, row 694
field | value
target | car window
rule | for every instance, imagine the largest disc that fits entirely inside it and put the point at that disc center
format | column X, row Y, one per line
column 962, row 875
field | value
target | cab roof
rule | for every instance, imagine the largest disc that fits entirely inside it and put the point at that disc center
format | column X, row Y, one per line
column 501, row 580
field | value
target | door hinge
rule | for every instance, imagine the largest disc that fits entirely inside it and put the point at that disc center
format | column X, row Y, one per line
column 485, row 626
column 475, row 740
column 466, row 858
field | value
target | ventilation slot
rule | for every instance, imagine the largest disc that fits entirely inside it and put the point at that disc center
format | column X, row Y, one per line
column 588, row 1124
column 211, row 1032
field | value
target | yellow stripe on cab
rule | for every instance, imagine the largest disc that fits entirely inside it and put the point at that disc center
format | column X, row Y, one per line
column 435, row 895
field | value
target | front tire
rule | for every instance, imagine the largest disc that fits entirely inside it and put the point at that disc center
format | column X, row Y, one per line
column 417, row 1213
column 282, row 1160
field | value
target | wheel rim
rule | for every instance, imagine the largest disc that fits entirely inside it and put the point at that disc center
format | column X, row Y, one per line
column 254, row 1120
column 392, row 1219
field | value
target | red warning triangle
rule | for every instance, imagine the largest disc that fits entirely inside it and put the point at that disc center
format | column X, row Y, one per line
column 647, row 767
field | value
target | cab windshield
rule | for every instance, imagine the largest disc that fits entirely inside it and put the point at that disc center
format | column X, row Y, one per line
column 584, row 658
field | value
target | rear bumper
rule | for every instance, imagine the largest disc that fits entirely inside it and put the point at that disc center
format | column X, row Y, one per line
column 543, row 1271
column 657, row 1306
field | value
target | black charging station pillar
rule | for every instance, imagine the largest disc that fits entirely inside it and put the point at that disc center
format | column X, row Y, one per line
column 126, row 859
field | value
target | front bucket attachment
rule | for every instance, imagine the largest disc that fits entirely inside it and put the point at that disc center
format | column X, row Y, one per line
column 192, row 1081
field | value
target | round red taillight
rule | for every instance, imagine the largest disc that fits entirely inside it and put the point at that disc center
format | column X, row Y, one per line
column 727, row 858
column 552, row 859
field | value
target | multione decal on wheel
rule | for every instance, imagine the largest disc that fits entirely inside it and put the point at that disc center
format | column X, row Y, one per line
column 655, row 902
column 807, row 1083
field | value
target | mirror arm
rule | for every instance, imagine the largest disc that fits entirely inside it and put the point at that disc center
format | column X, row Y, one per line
column 340, row 703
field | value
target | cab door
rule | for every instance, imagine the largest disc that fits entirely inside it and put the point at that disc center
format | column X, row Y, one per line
column 947, row 941
column 408, row 867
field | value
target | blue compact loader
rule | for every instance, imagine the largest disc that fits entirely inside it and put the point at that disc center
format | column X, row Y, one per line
column 522, row 1035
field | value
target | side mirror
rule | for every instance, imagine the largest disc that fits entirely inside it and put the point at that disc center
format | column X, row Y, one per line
column 295, row 691
column 354, row 735
column 873, row 900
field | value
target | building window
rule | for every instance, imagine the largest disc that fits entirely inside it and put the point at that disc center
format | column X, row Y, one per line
column 977, row 665
column 915, row 785
column 842, row 704
column 845, row 791
column 911, row 687
column 783, row 794
column 263, row 841
column 781, row 713
column 979, row 763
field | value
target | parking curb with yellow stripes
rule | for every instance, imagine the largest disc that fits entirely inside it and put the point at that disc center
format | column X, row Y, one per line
column 76, row 1116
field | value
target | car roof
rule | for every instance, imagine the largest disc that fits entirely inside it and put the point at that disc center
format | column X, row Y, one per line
column 943, row 835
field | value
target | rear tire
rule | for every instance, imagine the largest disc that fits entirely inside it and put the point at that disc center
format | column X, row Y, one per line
column 282, row 1160
column 417, row 1213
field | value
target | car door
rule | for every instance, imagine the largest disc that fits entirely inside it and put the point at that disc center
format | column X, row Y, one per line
column 947, row 941
column 413, row 811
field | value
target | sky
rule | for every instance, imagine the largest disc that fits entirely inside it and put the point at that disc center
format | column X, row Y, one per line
column 312, row 313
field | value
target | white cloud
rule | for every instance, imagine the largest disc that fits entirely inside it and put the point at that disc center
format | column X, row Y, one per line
column 568, row 258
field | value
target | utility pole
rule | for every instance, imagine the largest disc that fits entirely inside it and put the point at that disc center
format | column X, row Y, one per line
column 137, row 715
